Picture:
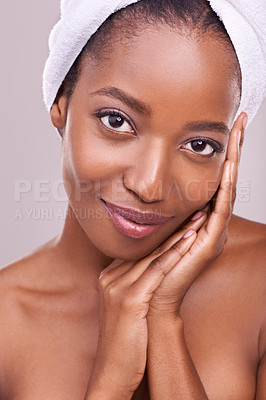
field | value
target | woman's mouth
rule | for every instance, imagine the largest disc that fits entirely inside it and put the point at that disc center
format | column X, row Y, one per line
column 133, row 223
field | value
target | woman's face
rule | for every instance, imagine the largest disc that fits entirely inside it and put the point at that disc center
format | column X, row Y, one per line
column 147, row 129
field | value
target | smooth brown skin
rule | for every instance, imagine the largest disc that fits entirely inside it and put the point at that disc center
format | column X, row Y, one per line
column 52, row 300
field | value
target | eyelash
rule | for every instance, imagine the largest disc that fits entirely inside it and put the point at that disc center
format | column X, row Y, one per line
column 114, row 113
column 217, row 148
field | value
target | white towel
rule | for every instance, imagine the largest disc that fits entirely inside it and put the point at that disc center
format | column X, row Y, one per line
column 244, row 20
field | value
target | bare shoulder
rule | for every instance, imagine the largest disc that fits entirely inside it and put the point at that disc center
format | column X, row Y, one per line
column 22, row 278
column 23, row 272
column 246, row 245
column 244, row 231
column 246, row 250
column 36, row 285
column 20, row 282
column 225, row 308
column 38, row 279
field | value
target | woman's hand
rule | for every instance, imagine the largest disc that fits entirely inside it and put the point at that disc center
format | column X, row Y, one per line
column 126, row 289
column 132, row 292
column 208, row 242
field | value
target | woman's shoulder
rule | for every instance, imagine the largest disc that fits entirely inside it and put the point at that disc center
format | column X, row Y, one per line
column 247, row 252
column 31, row 293
column 25, row 281
column 245, row 249
column 36, row 282
column 238, row 275
column 20, row 280
column 23, row 270
column 244, row 232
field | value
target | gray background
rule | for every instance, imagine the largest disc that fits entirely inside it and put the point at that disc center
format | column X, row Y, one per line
column 30, row 146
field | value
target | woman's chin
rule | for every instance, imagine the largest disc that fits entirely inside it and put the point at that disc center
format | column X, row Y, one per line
column 119, row 246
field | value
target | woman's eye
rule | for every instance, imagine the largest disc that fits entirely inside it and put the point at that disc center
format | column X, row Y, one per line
column 200, row 146
column 116, row 122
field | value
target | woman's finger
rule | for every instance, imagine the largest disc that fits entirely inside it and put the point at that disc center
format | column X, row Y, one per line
column 220, row 215
column 158, row 268
column 142, row 281
column 239, row 126
column 224, row 203
column 195, row 222
column 114, row 270
column 118, row 268
column 234, row 151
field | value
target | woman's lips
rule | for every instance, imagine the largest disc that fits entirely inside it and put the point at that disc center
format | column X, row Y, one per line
column 133, row 223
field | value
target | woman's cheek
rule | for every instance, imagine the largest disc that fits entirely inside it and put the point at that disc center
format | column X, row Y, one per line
column 89, row 157
column 199, row 189
column 89, row 165
column 80, row 166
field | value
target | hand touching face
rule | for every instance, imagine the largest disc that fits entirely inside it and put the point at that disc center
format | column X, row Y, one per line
column 148, row 131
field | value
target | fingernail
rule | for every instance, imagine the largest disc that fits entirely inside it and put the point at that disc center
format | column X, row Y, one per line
column 245, row 121
column 197, row 216
column 189, row 233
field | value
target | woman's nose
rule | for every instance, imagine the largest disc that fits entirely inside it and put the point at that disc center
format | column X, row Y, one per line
column 148, row 176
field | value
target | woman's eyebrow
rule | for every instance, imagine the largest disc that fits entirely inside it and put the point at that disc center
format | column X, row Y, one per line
column 141, row 107
column 214, row 126
column 127, row 99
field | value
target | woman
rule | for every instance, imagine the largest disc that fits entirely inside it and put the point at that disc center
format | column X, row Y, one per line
column 153, row 290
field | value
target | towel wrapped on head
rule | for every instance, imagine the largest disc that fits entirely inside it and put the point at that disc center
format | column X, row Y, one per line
column 244, row 20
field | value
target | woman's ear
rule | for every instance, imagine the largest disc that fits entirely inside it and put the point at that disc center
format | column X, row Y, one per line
column 58, row 114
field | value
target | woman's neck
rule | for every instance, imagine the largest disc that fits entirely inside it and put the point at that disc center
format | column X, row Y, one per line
column 77, row 253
